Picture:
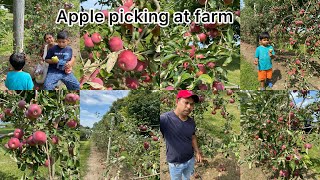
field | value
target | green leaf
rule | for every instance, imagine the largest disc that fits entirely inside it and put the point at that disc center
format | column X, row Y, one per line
column 227, row 61
column 185, row 76
column 23, row 167
column 205, row 78
column 170, row 56
column 292, row 164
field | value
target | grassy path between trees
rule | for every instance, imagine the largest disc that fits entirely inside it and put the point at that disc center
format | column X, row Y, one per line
column 95, row 164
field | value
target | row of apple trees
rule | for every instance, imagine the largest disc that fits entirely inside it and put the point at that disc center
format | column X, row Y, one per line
column 278, row 132
column 128, row 135
column 294, row 28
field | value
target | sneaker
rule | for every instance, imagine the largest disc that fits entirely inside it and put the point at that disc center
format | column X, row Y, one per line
column 262, row 89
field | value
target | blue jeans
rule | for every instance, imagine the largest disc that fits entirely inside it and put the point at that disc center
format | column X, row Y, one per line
column 181, row 171
column 54, row 75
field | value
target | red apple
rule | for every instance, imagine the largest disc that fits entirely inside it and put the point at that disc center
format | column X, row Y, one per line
column 128, row 3
column 115, row 44
column 18, row 133
column 22, row 104
column 72, row 98
column 8, row 112
column 228, row 2
column 155, row 138
column 105, row 12
column 88, row 42
column 143, row 127
column 54, row 139
column 170, row 88
column 308, row 146
column 31, row 141
column 218, row 85
column 39, row 137
column 14, row 143
column 127, row 60
column 202, row 37
column 194, row 28
column 96, row 38
column 146, row 145
column 34, row 110
column 72, row 123
column 231, row 100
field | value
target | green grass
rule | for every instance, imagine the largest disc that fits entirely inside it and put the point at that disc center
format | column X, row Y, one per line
column 76, row 69
column 233, row 73
column 8, row 168
column 315, row 159
column 216, row 122
column 84, row 155
column 7, row 43
column 249, row 76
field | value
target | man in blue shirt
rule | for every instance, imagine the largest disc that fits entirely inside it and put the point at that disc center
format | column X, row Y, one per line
column 178, row 130
column 17, row 79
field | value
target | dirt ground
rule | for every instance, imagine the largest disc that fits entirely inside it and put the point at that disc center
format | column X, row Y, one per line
column 279, row 74
column 96, row 166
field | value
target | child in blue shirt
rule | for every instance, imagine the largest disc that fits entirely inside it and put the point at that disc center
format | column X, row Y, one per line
column 61, row 69
column 263, row 56
column 17, row 79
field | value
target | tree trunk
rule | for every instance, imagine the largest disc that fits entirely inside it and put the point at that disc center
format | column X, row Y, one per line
column 18, row 25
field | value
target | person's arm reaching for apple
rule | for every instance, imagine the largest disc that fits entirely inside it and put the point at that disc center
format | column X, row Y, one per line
column 196, row 148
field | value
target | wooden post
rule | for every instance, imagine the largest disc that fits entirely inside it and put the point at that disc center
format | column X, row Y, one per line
column 109, row 141
column 18, row 25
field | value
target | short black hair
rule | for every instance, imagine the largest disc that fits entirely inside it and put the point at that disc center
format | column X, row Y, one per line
column 264, row 35
column 17, row 61
column 62, row 35
column 44, row 37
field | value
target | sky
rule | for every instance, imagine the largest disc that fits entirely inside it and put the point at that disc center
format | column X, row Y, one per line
column 241, row 4
column 90, row 4
column 298, row 100
column 94, row 104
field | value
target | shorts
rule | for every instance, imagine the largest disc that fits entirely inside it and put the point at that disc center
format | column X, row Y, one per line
column 182, row 171
column 264, row 74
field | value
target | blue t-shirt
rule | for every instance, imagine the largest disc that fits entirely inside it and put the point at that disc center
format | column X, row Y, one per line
column 19, row 80
column 64, row 55
column 178, row 137
column 262, row 53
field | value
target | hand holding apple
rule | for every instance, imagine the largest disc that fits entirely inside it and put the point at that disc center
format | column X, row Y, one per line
column 55, row 59
column 270, row 52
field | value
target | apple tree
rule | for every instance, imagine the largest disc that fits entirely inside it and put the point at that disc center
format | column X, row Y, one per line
column 196, row 56
column 46, row 132
column 277, row 132
column 124, row 56
column 128, row 135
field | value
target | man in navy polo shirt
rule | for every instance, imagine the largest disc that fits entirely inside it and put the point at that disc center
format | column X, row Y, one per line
column 178, row 130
